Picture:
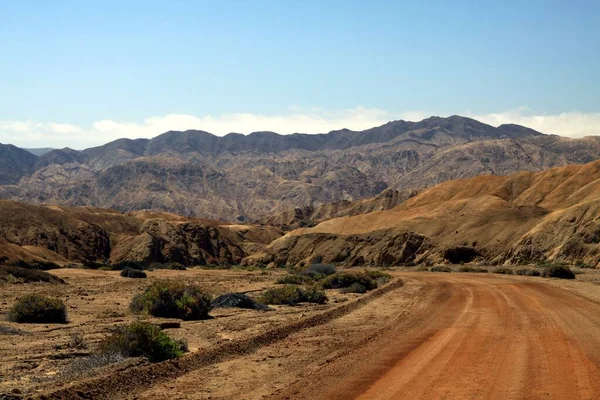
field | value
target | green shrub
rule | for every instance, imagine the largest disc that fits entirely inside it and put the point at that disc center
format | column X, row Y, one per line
column 25, row 275
column 503, row 271
column 141, row 339
column 528, row 272
column 35, row 308
column 292, row 295
column 440, row 268
column 319, row 270
column 558, row 271
column 132, row 273
column 173, row 299
column 294, row 280
column 422, row 268
column 314, row 295
column 343, row 280
column 355, row 288
column 377, row 274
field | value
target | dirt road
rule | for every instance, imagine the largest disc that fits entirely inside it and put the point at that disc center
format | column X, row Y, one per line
column 440, row 336
column 490, row 338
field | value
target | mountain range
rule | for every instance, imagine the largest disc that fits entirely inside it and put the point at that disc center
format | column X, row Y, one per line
column 265, row 176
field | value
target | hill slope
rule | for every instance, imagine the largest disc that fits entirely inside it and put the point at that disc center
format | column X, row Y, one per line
column 14, row 163
column 82, row 234
column 519, row 218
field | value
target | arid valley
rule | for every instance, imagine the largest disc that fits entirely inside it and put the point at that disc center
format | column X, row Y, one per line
column 300, row 200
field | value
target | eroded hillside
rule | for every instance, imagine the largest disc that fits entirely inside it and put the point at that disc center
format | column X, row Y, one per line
column 85, row 234
column 519, row 218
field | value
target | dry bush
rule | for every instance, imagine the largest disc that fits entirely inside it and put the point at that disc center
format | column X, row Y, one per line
column 25, row 275
column 142, row 339
column 343, row 280
column 35, row 308
column 472, row 269
column 293, row 295
column 133, row 273
column 527, row 272
column 294, row 280
column 173, row 299
column 318, row 271
column 558, row 271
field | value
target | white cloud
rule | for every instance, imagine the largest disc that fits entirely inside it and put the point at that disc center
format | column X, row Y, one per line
column 572, row 124
column 53, row 134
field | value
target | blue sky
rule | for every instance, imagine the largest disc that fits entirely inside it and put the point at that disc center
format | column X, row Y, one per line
column 104, row 69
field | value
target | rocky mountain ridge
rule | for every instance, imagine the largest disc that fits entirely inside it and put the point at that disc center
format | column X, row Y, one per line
column 254, row 177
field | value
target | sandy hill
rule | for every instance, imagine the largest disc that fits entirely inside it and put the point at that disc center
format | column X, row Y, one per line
column 519, row 218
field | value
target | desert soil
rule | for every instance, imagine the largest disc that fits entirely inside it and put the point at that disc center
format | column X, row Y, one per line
column 440, row 336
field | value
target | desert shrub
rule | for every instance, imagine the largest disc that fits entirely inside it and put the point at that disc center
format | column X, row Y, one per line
column 319, row 270
column 175, row 266
column 440, row 268
column 503, row 271
column 83, row 365
column 343, row 280
column 77, row 341
column 377, row 274
column 9, row 330
column 355, row 288
column 292, row 295
column 94, row 265
column 527, row 272
column 238, row 300
column 141, row 339
column 472, row 269
column 41, row 265
column 380, row 277
column 583, row 265
column 35, row 308
column 132, row 273
column 294, row 280
column 173, row 299
column 422, row 268
column 314, row 295
column 544, row 264
column 25, row 275
column 558, row 271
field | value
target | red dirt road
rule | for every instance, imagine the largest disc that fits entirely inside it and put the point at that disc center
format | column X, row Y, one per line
column 491, row 338
column 440, row 336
